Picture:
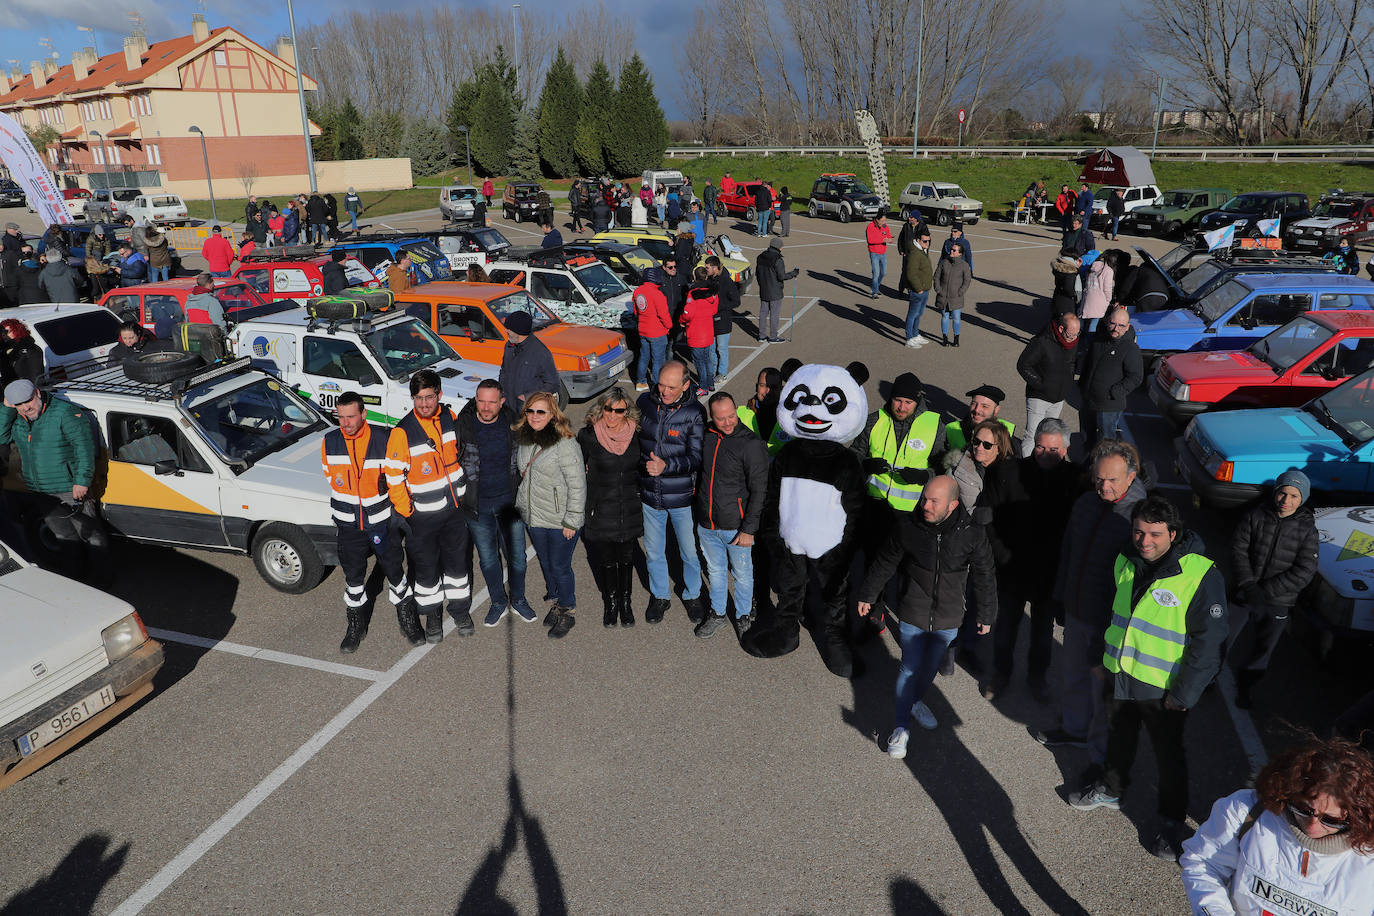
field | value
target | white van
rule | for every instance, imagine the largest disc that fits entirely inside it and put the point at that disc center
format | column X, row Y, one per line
column 669, row 178
column 457, row 203
column 166, row 209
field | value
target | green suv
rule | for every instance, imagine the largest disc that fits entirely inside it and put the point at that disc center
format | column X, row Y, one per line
column 1179, row 212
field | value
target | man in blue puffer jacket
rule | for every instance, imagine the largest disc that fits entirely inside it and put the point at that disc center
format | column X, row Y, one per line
column 672, row 427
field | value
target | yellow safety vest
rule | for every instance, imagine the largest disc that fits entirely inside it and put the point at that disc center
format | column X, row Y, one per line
column 749, row 417
column 912, row 453
column 1147, row 642
column 954, row 433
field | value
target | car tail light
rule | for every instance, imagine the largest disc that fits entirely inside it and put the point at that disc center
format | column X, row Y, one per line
column 1224, row 471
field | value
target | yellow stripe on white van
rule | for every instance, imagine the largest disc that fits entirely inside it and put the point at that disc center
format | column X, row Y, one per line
column 137, row 485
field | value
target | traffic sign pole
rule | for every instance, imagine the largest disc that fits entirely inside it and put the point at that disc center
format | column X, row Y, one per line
column 960, row 141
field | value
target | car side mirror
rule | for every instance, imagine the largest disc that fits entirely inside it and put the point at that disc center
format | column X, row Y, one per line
column 166, row 466
column 367, row 378
column 1249, row 324
column 1329, row 373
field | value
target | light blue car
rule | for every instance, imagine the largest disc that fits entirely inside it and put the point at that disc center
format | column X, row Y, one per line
column 1246, row 308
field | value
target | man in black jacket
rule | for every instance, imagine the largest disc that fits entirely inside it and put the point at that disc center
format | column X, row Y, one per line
column 1047, row 367
column 1114, row 369
column 1116, row 208
column 318, row 212
column 729, row 502
column 941, row 552
column 487, row 453
column 763, row 206
column 671, row 430
column 1273, row 558
column 727, row 291
column 772, row 277
column 1162, row 649
column 333, row 276
column 1077, row 240
column 526, row 363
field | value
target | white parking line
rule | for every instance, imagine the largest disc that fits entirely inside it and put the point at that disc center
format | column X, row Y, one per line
column 1244, row 725
column 269, row 655
column 785, row 326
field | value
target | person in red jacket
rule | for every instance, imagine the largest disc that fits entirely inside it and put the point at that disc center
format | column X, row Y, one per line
column 246, row 247
column 218, row 253
column 878, row 236
column 1064, row 204
column 655, row 321
column 488, row 189
column 727, row 184
column 699, row 317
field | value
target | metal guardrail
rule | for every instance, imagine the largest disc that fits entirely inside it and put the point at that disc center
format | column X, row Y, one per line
column 1199, row 153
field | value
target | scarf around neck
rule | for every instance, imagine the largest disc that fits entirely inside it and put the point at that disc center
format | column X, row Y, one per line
column 614, row 441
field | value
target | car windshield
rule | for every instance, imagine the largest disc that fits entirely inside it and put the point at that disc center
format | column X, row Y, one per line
column 854, row 186
column 1174, row 256
column 355, row 273
column 1343, row 209
column 952, row 191
column 1196, row 278
column 405, row 347
column 463, row 194
column 1245, row 203
column 601, row 282
column 250, row 422
column 657, row 248
column 525, row 192
column 1348, row 410
column 638, row 258
column 427, row 258
column 523, row 302
column 238, row 296
column 1220, row 301
column 1290, row 343
column 490, row 240
column 1178, row 198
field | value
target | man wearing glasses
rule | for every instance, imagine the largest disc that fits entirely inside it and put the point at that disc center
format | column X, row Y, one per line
column 1114, row 369
column 1162, row 649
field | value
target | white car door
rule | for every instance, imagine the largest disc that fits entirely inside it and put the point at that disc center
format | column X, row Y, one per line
column 331, row 365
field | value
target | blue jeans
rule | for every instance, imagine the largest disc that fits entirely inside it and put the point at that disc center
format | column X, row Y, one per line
column 704, row 360
column 1116, row 223
column 723, row 558
column 922, row 651
column 878, row 264
column 915, row 307
column 711, row 212
column 496, row 532
column 317, row 233
column 1100, row 424
column 958, row 315
column 653, row 353
column 159, row 274
column 656, row 551
column 723, row 353
column 763, row 221
column 555, row 554
column 353, row 220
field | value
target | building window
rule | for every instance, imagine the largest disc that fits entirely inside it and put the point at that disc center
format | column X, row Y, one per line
column 98, row 152
column 105, row 109
column 114, row 155
column 221, row 58
column 144, row 103
column 154, row 154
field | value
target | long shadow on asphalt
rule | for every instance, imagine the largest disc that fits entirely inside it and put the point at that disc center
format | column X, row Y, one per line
column 885, row 324
column 76, row 882
column 910, row 899
column 482, row 898
column 972, row 802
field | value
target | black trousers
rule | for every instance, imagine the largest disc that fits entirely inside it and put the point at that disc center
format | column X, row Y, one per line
column 355, row 547
column 1010, row 613
column 792, row 574
column 1165, row 726
column 1267, row 623
column 439, row 562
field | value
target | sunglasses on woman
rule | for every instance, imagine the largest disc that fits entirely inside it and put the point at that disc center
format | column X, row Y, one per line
column 536, row 411
column 615, row 409
column 987, row 444
column 1305, row 813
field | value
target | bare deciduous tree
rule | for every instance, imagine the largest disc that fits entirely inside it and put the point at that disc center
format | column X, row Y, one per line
column 1315, row 40
column 699, row 80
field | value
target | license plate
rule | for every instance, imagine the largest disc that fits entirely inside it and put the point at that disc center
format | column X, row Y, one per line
column 65, row 721
column 616, row 367
column 1307, row 241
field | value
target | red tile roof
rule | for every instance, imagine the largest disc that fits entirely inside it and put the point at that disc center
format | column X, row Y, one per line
column 72, row 134
column 124, row 130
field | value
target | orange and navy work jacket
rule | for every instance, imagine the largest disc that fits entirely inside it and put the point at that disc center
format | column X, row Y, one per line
column 422, row 468
column 353, row 465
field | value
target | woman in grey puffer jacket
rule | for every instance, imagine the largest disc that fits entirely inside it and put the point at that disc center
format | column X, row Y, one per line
column 551, row 499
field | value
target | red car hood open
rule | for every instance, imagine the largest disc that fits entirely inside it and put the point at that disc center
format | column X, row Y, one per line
column 1238, row 366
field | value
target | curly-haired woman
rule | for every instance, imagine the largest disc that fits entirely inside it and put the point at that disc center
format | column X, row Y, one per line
column 1301, row 841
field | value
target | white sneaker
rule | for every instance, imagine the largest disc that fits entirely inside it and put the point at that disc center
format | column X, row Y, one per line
column 923, row 716
column 896, row 745
column 915, row 343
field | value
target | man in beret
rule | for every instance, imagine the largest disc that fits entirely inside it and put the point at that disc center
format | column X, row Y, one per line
column 985, row 403
column 526, row 364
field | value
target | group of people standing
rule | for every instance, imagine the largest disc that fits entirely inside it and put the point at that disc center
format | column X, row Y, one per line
column 311, row 219
column 949, row 277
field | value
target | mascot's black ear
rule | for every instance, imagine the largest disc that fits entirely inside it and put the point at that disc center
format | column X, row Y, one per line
column 859, row 371
column 790, row 366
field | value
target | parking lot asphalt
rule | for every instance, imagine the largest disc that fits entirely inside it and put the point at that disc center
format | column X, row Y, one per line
column 615, row 771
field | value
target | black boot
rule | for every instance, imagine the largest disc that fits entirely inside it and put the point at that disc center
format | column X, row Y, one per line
column 410, row 622
column 563, row 624
column 356, row 631
column 625, row 575
column 956, row 340
column 434, row 626
column 609, row 596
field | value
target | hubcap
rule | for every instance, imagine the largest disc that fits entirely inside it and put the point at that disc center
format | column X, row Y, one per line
column 282, row 561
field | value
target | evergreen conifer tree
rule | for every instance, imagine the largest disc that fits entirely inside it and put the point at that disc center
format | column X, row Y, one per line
column 560, row 106
column 641, row 127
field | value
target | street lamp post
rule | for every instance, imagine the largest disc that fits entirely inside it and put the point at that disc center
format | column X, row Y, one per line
column 515, row 20
column 300, row 97
column 467, row 145
column 105, row 165
column 214, row 213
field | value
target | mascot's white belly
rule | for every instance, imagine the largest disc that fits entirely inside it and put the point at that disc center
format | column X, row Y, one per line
column 810, row 516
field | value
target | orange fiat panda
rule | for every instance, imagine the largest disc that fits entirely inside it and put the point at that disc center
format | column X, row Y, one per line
column 470, row 317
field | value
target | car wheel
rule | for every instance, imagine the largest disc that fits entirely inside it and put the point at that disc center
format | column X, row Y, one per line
column 156, row 368
column 751, row 214
column 903, row 212
column 811, row 210
column 286, row 559
column 942, row 217
column 720, row 209
column 562, row 395
column 845, row 214
column 1173, row 228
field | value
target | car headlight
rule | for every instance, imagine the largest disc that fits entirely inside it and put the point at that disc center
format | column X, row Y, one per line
column 1179, row 390
column 1333, row 232
column 593, row 361
column 122, row 638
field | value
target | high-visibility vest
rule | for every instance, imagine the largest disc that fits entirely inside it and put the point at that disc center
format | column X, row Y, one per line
column 1147, row 642
column 954, row 433
column 750, row 418
column 353, row 465
column 914, row 452
column 423, row 472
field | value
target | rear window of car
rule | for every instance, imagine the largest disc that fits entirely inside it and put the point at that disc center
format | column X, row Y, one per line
column 125, row 195
column 66, row 334
column 166, row 202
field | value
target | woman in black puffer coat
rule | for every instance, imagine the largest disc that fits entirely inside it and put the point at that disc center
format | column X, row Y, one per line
column 614, row 517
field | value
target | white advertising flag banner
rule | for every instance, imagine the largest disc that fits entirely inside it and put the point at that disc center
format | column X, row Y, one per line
column 29, row 170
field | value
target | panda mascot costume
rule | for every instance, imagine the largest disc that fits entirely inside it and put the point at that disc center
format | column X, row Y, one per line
column 812, row 509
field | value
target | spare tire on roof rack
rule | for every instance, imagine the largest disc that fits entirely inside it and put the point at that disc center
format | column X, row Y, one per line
column 351, row 303
column 161, row 366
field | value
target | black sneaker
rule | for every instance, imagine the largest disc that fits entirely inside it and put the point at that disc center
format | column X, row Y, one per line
column 1057, row 737
column 947, row 664
column 696, row 611
column 434, row 627
column 742, row 624
column 551, row 617
column 707, row 628
column 464, row 621
column 1095, row 796
column 656, row 609
column 562, row 625
column 1039, row 689
column 1168, row 842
